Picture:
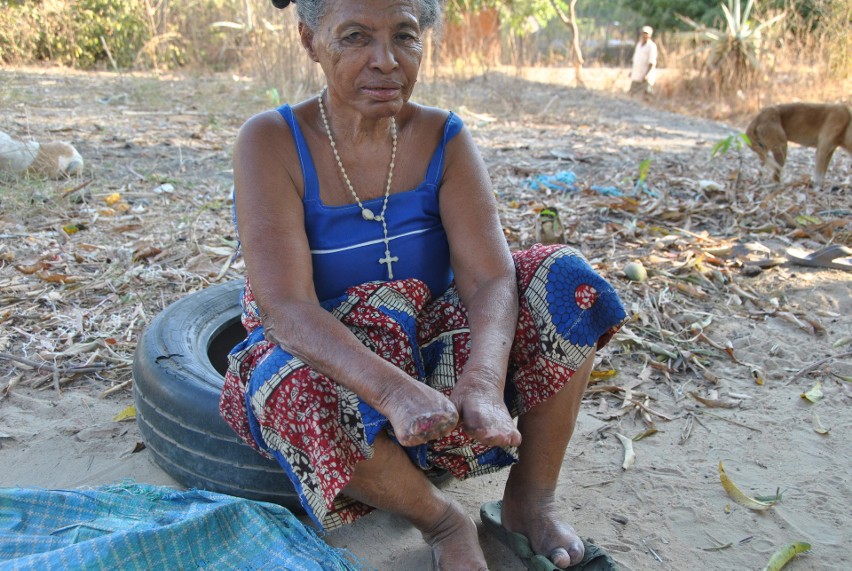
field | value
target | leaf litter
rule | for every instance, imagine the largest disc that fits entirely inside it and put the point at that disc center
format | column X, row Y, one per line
column 86, row 264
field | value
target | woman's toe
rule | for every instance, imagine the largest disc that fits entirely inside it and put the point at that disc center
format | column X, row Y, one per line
column 562, row 557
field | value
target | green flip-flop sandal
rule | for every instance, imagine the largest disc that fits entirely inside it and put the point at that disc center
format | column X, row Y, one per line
column 595, row 559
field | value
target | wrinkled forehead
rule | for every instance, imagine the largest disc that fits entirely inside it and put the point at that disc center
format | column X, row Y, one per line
column 338, row 10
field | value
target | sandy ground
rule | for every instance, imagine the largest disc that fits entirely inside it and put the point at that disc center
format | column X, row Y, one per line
column 666, row 511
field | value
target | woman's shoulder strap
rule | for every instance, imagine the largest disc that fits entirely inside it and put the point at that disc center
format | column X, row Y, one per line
column 452, row 126
column 306, row 161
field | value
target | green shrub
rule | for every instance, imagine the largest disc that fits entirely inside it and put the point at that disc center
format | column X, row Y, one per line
column 19, row 36
column 80, row 33
column 734, row 54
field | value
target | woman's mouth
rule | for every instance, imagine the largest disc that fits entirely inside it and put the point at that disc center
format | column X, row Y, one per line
column 383, row 93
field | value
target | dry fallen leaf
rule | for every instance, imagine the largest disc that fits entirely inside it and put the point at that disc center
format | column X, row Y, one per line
column 714, row 403
column 815, row 394
column 113, row 199
column 144, row 252
column 59, row 278
column 734, row 492
column 603, row 374
column 781, row 557
column 128, row 413
column 629, row 454
column 818, row 427
column 33, row 267
column 650, row 431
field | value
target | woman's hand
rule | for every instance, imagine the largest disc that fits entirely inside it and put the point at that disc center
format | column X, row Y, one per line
column 418, row 413
column 482, row 412
column 485, row 277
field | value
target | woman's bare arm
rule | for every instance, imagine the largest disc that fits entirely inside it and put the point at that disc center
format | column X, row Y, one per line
column 270, row 216
column 485, row 276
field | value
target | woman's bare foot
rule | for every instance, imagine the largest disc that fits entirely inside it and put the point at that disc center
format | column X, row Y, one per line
column 455, row 542
column 538, row 519
column 418, row 413
column 483, row 413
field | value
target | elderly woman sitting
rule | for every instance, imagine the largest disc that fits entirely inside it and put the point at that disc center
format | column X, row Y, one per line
column 390, row 329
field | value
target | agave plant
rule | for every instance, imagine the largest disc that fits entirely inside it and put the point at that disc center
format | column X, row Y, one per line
column 734, row 56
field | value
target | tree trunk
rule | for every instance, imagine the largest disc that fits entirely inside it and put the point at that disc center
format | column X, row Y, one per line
column 570, row 20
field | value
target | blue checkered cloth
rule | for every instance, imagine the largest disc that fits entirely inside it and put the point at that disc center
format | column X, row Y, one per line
column 135, row 526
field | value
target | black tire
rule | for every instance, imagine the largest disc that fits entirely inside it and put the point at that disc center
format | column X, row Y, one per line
column 178, row 373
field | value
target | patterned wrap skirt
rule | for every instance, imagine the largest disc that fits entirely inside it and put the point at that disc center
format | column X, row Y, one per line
column 318, row 430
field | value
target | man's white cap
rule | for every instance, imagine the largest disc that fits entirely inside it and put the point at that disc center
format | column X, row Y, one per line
column 648, row 30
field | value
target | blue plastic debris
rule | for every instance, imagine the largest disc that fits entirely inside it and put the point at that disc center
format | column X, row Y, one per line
column 607, row 190
column 643, row 186
column 562, row 181
column 566, row 181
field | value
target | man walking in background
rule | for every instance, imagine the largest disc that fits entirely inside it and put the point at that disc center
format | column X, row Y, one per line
column 644, row 64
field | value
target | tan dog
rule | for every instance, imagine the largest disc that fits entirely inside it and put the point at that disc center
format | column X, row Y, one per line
column 54, row 159
column 823, row 126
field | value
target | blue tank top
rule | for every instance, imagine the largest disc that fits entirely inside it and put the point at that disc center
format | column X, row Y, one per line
column 346, row 249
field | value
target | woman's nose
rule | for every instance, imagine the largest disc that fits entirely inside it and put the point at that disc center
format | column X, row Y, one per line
column 384, row 56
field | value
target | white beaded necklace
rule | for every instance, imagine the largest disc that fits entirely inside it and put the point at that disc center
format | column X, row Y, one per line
column 366, row 213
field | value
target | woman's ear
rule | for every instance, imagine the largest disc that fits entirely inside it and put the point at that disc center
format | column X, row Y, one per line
column 306, row 35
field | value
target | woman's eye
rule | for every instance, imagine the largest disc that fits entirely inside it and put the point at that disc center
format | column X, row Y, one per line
column 354, row 37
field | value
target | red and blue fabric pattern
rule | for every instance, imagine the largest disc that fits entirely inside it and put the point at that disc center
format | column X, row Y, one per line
column 318, row 430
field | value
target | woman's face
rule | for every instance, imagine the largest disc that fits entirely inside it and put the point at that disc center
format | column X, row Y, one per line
column 370, row 52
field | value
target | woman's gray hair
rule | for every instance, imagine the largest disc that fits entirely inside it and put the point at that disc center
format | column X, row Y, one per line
column 311, row 11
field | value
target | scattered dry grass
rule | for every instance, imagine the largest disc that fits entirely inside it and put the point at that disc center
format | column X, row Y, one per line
column 723, row 332
column 85, row 264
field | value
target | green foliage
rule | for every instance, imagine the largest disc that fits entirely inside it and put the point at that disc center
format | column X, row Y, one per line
column 249, row 34
column 733, row 54
column 455, row 10
column 641, row 182
column 609, row 11
column 81, row 33
column 644, row 169
column 118, row 24
column 516, row 15
column 18, row 20
column 736, row 141
column 834, row 19
column 812, row 13
column 274, row 96
column 662, row 14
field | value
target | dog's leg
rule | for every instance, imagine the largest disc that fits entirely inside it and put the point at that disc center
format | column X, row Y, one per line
column 762, row 159
column 823, row 157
